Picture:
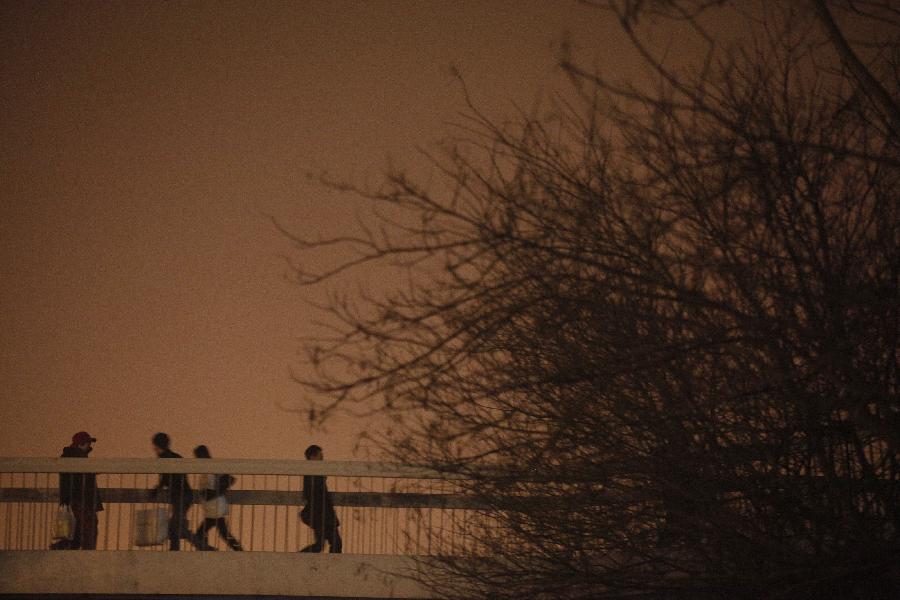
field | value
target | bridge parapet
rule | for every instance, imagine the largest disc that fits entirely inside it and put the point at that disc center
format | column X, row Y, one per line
column 97, row 574
column 384, row 509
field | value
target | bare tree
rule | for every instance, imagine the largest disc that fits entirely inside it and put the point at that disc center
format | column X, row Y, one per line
column 657, row 332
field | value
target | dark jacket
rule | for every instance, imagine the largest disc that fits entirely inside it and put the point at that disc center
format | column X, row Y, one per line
column 79, row 490
column 319, row 506
column 178, row 490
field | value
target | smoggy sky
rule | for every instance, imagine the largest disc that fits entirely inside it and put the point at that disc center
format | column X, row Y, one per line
column 142, row 289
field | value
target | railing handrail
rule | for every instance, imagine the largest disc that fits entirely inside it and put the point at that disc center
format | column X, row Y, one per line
column 235, row 466
column 261, row 498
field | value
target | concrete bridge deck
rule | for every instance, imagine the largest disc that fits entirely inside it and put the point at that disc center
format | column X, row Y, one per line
column 269, row 575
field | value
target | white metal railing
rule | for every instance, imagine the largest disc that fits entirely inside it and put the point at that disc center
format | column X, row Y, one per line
column 244, row 466
column 382, row 508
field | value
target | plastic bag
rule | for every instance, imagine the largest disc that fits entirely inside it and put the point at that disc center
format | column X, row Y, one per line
column 151, row 526
column 215, row 508
column 64, row 525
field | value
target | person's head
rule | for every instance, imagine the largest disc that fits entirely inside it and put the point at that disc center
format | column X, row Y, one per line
column 201, row 451
column 314, row 453
column 83, row 441
column 160, row 443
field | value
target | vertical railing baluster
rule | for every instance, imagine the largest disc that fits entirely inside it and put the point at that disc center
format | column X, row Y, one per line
column 119, row 514
column 19, row 529
column 395, row 514
column 265, row 510
column 253, row 517
column 29, row 506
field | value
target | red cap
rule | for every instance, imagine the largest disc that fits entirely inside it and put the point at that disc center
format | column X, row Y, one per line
column 82, row 437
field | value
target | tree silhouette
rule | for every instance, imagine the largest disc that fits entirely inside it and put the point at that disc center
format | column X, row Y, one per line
column 656, row 331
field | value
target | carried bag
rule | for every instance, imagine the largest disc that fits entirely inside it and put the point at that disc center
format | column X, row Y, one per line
column 215, row 508
column 151, row 526
column 304, row 515
column 64, row 525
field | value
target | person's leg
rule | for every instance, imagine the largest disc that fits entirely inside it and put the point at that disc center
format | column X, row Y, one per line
column 201, row 538
column 203, row 530
column 174, row 539
column 318, row 536
column 222, row 526
column 176, row 526
column 89, row 530
column 85, row 535
column 75, row 542
column 184, row 531
column 335, row 543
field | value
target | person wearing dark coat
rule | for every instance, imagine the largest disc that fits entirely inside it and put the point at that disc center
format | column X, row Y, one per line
column 177, row 492
column 79, row 492
column 319, row 513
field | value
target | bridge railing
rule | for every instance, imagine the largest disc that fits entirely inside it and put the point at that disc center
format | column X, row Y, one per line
column 382, row 508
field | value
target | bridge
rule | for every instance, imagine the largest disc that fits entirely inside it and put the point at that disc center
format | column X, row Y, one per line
column 394, row 520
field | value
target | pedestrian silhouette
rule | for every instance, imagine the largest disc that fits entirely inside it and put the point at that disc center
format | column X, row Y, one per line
column 215, row 506
column 319, row 513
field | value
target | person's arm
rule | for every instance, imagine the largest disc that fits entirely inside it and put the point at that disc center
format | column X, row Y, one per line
column 162, row 484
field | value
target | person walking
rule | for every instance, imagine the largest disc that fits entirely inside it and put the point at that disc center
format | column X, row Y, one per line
column 319, row 513
column 215, row 507
column 79, row 492
column 178, row 492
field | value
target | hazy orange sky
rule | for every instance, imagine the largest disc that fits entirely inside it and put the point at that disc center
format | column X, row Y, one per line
column 142, row 289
